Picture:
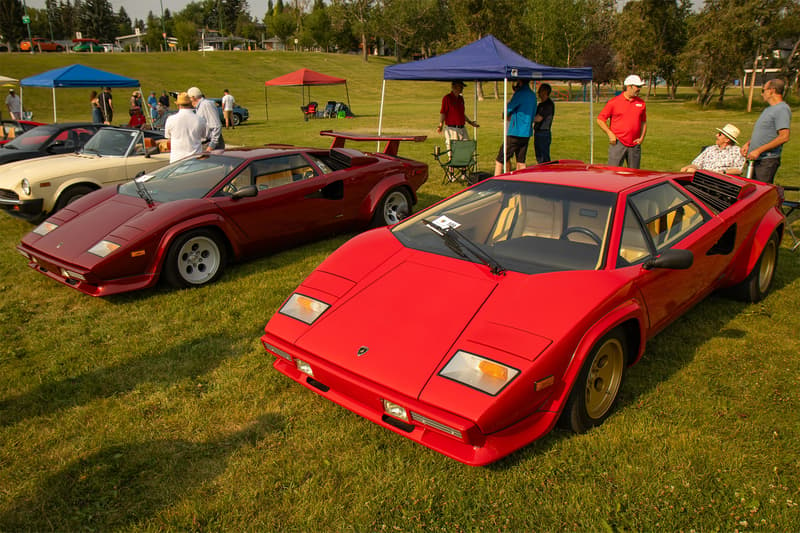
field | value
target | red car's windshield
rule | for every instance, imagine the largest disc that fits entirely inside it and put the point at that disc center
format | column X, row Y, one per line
column 526, row 227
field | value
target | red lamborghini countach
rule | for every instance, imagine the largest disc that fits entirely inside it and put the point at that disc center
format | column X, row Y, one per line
column 185, row 220
column 526, row 297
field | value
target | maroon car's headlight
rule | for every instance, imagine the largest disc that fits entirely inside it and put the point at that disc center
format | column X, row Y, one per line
column 44, row 228
column 304, row 308
column 103, row 248
column 479, row 372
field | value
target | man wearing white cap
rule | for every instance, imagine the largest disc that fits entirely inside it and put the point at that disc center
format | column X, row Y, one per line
column 723, row 156
column 208, row 110
column 624, row 119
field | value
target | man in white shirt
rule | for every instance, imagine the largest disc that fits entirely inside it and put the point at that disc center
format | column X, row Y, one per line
column 208, row 110
column 227, row 108
column 14, row 105
column 185, row 130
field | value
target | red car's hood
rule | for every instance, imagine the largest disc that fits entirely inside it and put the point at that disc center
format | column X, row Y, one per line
column 407, row 320
column 90, row 227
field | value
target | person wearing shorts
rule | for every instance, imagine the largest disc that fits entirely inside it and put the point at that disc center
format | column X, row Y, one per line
column 521, row 110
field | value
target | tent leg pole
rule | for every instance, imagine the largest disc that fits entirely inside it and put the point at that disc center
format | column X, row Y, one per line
column 591, row 126
column 505, row 124
column 380, row 113
column 54, row 106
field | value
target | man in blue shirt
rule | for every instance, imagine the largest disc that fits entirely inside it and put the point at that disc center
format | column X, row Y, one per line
column 770, row 133
column 521, row 110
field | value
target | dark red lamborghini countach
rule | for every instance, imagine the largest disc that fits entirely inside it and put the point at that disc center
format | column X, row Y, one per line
column 526, row 297
column 186, row 220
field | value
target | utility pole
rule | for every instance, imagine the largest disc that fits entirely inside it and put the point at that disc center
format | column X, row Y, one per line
column 27, row 21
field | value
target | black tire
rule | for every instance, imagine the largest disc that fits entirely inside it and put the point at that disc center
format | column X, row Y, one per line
column 195, row 258
column 237, row 119
column 757, row 284
column 393, row 207
column 71, row 194
column 597, row 387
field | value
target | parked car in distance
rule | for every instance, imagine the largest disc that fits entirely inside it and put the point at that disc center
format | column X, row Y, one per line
column 183, row 222
column 525, row 298
column 87, row 45
column 206, row 48
column 109, row 47
column 11, row 129
column 40, row 45
column 34, row 189
column 48, row 139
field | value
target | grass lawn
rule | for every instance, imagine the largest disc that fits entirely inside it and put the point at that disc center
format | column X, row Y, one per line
column 159, row 410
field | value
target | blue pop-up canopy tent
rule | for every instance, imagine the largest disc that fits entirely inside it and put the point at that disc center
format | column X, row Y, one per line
column 486, row 59
column 76, row 76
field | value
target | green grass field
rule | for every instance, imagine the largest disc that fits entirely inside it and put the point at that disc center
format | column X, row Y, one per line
column 159, row 410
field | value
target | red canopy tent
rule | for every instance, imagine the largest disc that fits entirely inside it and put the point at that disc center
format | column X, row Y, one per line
column 304, row 78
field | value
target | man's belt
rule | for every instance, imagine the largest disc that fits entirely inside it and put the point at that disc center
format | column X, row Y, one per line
column 455, row 126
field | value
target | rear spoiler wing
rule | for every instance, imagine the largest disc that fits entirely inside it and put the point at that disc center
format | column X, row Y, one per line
column 392, row 141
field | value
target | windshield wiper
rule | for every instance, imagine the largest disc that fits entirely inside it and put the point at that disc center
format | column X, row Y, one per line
column 460, row 244
column 143, row 193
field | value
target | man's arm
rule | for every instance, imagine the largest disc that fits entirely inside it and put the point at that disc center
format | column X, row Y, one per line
column 612, row 139
column 640, row 140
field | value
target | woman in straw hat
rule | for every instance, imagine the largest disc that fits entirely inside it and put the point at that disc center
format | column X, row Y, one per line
column 723, row 156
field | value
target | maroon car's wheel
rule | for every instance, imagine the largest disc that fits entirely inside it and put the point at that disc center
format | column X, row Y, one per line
column 393, row 208
column 194, row 259
column 597, row 387
column 757, row 284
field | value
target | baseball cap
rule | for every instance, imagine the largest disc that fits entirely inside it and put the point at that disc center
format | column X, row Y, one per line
column 194, row 92
column 633, row 79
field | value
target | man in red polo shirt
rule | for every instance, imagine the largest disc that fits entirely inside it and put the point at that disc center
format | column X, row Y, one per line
column 452, row 117
column 624, row 120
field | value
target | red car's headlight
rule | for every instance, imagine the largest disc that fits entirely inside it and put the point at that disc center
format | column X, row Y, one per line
column 479, row 372
column 304, row 308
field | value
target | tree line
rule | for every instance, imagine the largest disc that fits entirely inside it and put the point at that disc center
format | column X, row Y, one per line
column 657, row 39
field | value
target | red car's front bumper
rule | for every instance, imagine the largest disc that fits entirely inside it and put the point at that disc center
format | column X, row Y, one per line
column 428, row 425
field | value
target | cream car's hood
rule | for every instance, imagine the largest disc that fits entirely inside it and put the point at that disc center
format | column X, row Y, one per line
column 53, row 166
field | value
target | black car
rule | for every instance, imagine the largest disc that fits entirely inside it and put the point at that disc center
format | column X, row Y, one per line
column 49, row 139
column 240, row 114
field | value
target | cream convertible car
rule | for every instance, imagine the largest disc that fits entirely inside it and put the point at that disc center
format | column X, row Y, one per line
column 37, row 188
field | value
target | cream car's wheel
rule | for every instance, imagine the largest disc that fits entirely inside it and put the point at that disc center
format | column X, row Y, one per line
column 194, row 259
column 596, row 390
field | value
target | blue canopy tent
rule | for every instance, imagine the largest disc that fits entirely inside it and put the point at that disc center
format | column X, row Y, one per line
column 76, row 76
column 486, row 59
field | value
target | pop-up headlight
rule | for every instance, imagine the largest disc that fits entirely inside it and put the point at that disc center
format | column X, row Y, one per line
column 44, row 228
column 303, row 308
column 479, row 372
column 103, row 248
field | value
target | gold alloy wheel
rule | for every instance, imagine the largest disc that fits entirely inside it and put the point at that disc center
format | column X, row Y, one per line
column 767, row 267
column 605, row 378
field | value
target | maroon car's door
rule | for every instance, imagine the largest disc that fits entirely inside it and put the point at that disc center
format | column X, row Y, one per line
column 294, row 202
column 669, row 219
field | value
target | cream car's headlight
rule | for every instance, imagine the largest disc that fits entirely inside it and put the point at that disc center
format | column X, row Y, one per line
column 26, row 186
column 103, row 248
column 44, row 228
column 479, row 372
column 304, row 308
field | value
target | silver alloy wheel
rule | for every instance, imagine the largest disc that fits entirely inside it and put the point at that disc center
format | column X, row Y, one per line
column 395, row 207
column 766, row 269
column 198, row 260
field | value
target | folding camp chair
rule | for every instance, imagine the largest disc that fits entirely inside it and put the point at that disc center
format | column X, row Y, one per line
column 309, row 110
column 461, row 163
column 791, row 209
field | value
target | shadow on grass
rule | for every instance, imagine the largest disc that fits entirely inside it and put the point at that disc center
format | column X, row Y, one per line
column 670, row 351
column 189, row 359
column 125, row 485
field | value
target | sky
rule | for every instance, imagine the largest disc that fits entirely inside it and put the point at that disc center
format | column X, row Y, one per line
column 138, row 9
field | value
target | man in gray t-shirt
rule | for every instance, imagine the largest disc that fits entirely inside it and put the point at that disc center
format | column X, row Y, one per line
column 770, row 133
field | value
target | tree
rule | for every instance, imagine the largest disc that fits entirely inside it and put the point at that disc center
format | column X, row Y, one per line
column 124, row 25
column 318, row 25
column 11, row 27
column 413, row 24
column 97, row 20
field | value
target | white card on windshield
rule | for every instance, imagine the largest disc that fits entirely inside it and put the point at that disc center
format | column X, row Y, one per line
column 444, row 222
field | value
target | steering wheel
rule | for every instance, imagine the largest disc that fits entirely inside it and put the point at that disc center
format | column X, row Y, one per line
column 580, row 229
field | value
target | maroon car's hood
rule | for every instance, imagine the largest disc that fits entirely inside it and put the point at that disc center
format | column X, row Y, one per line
column 407, row 320
column 90, row 227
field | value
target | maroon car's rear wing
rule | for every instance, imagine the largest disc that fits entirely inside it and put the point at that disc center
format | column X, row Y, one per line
column 392, row 141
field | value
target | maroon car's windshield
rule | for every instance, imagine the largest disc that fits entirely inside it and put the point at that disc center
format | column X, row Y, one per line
column 520, row 226
column 193, row 177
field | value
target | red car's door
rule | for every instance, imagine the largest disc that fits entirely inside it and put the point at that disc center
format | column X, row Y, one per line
column 294, row 202
column 660, row 218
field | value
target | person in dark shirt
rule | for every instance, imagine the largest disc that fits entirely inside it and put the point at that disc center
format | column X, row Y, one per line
column 164, row 99
column 542, row 124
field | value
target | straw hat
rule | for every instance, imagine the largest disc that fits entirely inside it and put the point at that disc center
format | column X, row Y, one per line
column 730, row 131
column 183, row 99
